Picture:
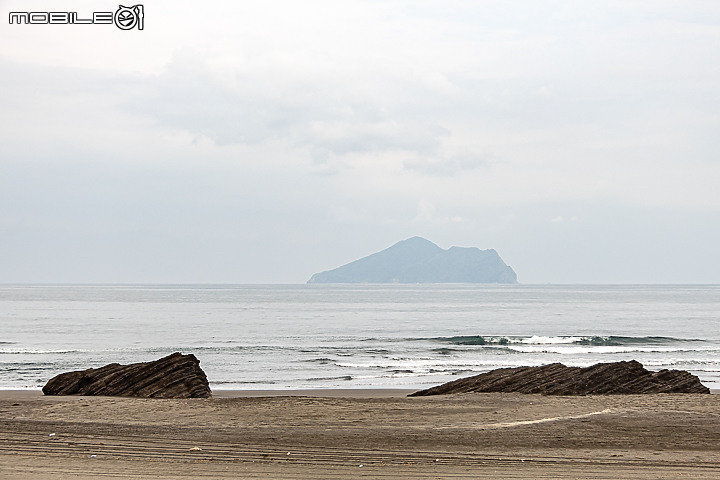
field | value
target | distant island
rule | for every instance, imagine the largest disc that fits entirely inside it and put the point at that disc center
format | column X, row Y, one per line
column 417, row 260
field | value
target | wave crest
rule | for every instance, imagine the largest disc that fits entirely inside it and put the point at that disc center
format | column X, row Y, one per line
column 589, row 340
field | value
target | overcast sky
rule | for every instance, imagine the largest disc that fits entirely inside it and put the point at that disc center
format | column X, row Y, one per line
column 264, row 141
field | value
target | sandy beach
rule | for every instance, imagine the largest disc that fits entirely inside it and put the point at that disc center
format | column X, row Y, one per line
column 359, row 433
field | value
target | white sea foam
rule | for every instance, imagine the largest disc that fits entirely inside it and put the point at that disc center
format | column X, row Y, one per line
column 13, row 351
column 542, row 340
column 604, row 350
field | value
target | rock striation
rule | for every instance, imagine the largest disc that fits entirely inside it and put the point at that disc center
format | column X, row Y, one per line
column 556, row 379
column 417, row 260
column 174, row 376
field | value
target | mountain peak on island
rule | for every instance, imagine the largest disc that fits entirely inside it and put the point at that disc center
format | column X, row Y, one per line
column 418, row 260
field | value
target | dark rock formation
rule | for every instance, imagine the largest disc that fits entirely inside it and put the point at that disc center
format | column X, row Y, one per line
column 175, row 376
column 557, row 379
column 417, row 260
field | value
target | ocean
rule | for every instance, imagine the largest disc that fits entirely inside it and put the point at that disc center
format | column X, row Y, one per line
column 355, row 336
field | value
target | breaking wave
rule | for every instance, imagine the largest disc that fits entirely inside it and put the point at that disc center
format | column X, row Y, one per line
column 595, row 340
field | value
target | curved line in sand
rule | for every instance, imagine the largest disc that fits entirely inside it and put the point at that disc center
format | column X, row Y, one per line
column 545, row 420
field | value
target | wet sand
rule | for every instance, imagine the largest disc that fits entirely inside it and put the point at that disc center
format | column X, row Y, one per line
column 359, row 433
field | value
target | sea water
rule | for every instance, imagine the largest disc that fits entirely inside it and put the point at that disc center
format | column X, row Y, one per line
column 355, row 336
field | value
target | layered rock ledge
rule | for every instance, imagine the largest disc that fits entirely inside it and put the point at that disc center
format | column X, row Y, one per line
column 174, row 376
column 626, row 377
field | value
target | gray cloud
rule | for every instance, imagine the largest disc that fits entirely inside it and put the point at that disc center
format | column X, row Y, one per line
column 455, row 165
column 328, row 117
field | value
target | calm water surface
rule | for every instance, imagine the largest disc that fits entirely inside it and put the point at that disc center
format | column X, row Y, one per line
column 323, row 336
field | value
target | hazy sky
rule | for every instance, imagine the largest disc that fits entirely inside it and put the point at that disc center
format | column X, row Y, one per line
column 263, row 141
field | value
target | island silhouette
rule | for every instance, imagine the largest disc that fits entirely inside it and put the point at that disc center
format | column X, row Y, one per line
column 418, row 260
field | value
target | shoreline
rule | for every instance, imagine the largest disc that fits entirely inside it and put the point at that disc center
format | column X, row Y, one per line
column 301, row 392
column 33, row 394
